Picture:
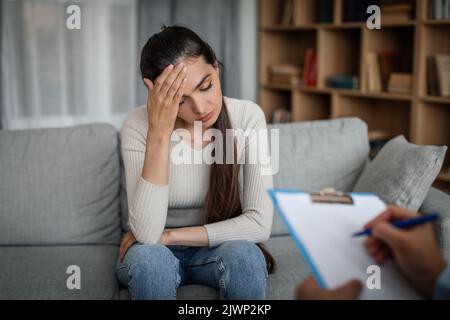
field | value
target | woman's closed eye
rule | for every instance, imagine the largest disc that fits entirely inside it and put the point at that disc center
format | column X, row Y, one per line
column 207, row 88
column 210, row 85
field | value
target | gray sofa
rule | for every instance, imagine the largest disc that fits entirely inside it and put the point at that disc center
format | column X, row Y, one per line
column 63, row 203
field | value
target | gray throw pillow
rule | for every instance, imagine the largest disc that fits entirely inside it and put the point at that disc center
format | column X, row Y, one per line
column 402, row 173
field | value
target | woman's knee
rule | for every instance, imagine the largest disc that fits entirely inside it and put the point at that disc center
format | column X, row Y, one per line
column 245, row 270
column 244, row 255
column 151, row 261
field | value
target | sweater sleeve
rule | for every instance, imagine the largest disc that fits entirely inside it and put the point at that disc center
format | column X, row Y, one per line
column 147, row 202
column 255, row 222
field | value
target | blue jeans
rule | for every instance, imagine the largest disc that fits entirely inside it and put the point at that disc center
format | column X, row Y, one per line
column 236, row 268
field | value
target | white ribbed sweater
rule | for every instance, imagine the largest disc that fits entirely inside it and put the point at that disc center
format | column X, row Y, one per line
column 153, row 208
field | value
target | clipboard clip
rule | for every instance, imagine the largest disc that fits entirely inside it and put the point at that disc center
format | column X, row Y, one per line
column 330, row 195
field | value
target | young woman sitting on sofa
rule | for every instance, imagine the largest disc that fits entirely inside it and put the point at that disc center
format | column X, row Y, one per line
column 220, row 245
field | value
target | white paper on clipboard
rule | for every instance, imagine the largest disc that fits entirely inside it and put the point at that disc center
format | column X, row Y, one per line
column 323, row 231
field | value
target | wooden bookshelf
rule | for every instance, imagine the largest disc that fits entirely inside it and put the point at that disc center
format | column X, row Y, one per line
column 341, row 48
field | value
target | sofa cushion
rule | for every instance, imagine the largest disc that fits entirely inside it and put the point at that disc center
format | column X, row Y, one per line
column 438, row 201
column 402, row 173
column 319, row 154
column 39, row 272
column 291, row 271
column 59, row 186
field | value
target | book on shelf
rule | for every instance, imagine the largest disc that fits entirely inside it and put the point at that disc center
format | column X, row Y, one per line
column 438, row 75
column 443, row 72
column 432, row 78
column 343, row 82
column 389, row 62
column 385, row 72
column 396, row 12
column 285, row 74
column 439, row 9
column 310, row 69
column 374, row 83
column 400, row 83
column 287, row 13
column 281, row 115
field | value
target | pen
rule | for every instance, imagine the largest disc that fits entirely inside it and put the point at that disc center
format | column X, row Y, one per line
column 403, row 224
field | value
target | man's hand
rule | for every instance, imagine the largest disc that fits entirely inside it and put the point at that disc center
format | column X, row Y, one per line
column 310, row 290
column 415, row 250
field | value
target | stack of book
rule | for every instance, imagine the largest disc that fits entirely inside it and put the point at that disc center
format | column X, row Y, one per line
column 388, row 71
column 281, row 115
column 439, row 9
column 396, row 12
column 310, row 69
column 343, row 82
column 400, row 83
column 438, row 75
column 285, row 74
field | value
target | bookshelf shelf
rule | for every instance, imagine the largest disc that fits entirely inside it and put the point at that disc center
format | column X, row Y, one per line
column 373, row 111
column 338, row 53
column 373, row 95
column 342, row 48
column 307, row 89
column 443, row 22
column 346, row 25
column 432, row 99
column 281, row 87
column 289, row 28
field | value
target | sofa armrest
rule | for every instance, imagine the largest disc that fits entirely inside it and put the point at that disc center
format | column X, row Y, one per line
column 438, row 201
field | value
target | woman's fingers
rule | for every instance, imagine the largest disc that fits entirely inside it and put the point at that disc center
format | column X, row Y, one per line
column 124, row 243
column 392, row 213
column 176, row 85
column 178, row 95
column 377, row 250
column 163, row 91
column 159, row 82
column 125, row 248
column 149, row 84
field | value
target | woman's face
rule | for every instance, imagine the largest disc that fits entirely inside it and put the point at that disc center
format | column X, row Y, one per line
column 202, row 100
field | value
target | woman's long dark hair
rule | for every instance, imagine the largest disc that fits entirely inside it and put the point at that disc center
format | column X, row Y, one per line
column 168, row 47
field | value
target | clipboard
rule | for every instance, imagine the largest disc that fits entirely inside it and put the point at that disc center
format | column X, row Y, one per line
column 321, row 227
column 330, row 195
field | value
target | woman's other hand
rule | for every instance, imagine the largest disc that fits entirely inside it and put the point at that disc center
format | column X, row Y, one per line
column 127, row 241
